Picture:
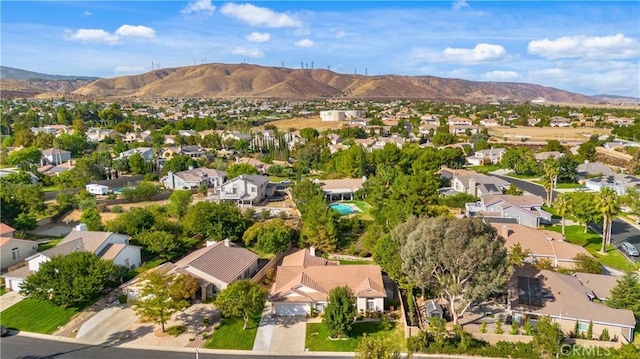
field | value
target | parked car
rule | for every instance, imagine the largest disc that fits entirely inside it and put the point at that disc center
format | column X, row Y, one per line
column 3, row 331
column 630, row 249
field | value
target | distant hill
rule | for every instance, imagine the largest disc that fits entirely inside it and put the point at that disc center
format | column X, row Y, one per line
column 11, row 73
column 617, row 99
column 245, row 80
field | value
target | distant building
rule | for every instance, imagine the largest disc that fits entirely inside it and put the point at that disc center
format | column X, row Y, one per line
column 339, row 115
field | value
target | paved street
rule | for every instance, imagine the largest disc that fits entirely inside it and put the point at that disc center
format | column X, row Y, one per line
column 35, row 347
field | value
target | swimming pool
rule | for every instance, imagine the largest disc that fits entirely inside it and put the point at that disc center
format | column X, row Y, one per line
column 342, row 208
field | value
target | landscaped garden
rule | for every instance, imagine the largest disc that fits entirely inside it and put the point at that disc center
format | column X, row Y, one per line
column 592, row 242
column 36, row 316
column 365, row 210
column 318, row 336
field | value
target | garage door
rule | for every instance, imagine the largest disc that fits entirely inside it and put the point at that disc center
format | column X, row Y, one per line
column 15, row 284
column 291, row 310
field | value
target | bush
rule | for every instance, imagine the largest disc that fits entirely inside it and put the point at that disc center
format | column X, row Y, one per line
column 514, row 328
column 112, row 196
column 265, row 214
column 483, row 327
column 102, row 207
column 384, row 324
column 605, row 335
column 528, row 327
column 117, row 209
column 498, row 328
column 151, row 177
column 122, row 298
column 176, row 330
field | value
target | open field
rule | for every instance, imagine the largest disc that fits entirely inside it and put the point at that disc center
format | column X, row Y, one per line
column 301, row 122
column 544, row 133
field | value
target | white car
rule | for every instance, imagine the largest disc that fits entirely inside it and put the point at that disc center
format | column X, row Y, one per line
column 630, row 249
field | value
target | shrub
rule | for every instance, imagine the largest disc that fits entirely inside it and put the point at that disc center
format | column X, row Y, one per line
column 176, row 330
column 590, row 331
column 605, row 335
column 498, row 328
column 206, row 321
column 117, row 209
column 102, row 207
column 112, row 196
column 122, row 298
column 483, row 327
column 265, row 214
column 528, row 327
column 384, row 324
column 514, row 328
column 282, row 215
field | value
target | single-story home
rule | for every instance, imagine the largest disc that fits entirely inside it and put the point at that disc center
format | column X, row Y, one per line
column 304, row 281
column 525, row 210
column 569, row 301
column 193, row 178
column 106, row 245
column 617, row 182
column 97, row 189
column 340, row 189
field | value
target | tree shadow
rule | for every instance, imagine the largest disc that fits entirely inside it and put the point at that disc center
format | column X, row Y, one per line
column 196, row 319
column 129, row 335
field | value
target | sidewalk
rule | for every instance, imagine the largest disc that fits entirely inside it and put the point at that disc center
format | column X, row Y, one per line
column 9, row 299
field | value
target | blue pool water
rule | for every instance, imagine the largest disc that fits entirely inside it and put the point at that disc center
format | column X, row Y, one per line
column 342, row 208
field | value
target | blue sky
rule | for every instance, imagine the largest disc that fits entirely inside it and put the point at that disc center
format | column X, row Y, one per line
column 588, row 47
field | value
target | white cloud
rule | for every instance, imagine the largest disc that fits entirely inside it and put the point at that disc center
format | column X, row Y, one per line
column 608, row 47
column 554, row 72
column 459, row 4
column 87, row 14
column 94, row 35
column 304, row 43
column 258, row 37
column 129, row 70
column 136, row 31
column 340, row 34
column 202, row 7
column 251, row 52
column 259, row 16
column 481, row 53
column 499, row 75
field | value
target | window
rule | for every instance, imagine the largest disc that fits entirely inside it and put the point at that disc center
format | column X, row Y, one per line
column 583, row 327
column 253, row 190
column 15, row 253
column 319, row 307
column 371, row 304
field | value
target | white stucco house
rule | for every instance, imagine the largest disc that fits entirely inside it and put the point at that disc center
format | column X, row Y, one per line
column 245, row 189
column 193, row 178
column 106, row 245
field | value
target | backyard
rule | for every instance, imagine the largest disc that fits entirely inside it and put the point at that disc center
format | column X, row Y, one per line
column 592, row 242
column 318, row 336
column 365, row 210
column 36, row 316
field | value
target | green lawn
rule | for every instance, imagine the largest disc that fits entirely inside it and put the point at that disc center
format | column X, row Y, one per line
column 365, row 210
column 355, row 262
column 3, row 290
column 37, row 316
column 231, row 336
column 51, row 188
column 568, row 185
column 318, row 337
column 592, row 242
column 48, row 245
column 485, row 168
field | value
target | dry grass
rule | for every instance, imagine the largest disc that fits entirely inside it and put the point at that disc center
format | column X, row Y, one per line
column 302, row 122
column 545, row 133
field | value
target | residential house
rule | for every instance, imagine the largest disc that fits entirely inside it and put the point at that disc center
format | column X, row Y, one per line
column 525, row 210
column 245, row 189
column 13, row 250
column 106, row 245
column 304, row 281
column 55, row 156
column 96, row 134
column 51, row 129
column 569, row 301
column 543, row 156
column 13, row 170
column 146, row 153
column 215, row 267
column 617, row 182
column 341, row 189
column 541, row 244
column 193, row 178
column 559, row 121
column 259, row 165
column 464, row 130
column 339, row 115
column 482, row 157
column 98, row 189
column 490, row 122
column 594, row 169
column 54, row 170
column 459, row 121
column 478, row 184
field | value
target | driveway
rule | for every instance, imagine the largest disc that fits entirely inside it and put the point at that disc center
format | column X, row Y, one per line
column 9, row 299
column 105, row 326
column 280, row 334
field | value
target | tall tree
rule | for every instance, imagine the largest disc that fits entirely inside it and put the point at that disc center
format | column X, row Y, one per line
column 159, row 242
column 238, row 169
column 91, row 218
column 216, row 220
column 241, row 299
column 271, row 237
column 547, row 337
column 71, row 280
column 563, row 206
column 606, row 201
column 159, row 298
column 626, row 293
column 582, row 207
column 550, row 178
column 179, row 203
column 462, row 258
column 340, row 312
column 376, row 348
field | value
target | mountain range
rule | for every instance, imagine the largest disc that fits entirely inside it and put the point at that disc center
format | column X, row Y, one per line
column 254, row 81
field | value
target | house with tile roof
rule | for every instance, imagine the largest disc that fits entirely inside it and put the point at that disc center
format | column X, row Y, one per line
column 106, row 245
column 55, row 156
column 215, row 267
column 478, row 184
column 340, row 189
column 245, row 189
column 570, row 301
column 193, row 178
column 304, row 281
column 525, row 210
column 541, row 244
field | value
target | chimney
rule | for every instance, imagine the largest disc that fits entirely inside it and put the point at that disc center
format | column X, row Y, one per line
column 472, row 186
column 227, row 242
column 505, row 231
column 81, row 227
column 312, row 251
column 190, row 168
column 210, row 243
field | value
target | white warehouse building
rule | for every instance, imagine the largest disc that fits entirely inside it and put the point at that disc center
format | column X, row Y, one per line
column 339, row 115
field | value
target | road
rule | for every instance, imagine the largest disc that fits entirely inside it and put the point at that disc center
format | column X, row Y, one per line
column 22, row 347
column 620, row 230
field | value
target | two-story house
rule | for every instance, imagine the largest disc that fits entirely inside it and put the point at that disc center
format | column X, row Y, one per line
column 245, row 189
column 193, row 178
column 13, row 250
column 525, row 210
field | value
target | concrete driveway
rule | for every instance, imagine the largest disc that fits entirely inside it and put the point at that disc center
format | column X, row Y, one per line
column 9, row 299
column 104, row 327
column 280, row 334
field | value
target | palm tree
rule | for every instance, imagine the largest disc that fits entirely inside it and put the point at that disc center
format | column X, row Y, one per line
column 563, row 205
column 550, row 179
column 607, row 204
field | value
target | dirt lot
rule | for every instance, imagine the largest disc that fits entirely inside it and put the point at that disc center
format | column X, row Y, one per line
column 544, row 133
column 302, row 122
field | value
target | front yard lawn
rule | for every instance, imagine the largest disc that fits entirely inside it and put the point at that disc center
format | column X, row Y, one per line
column 485, row 169
column 568, row 185
column 592, row 242
column 365, row 210
column 231, row 336
column 318, row 337
column 36, row 316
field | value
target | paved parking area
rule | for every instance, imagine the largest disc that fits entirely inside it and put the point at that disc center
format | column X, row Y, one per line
column 104, row 327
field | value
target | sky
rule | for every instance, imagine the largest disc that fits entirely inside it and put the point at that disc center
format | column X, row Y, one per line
column 588, row 47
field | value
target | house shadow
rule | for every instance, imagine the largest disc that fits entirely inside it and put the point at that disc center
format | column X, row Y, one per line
column 55, row 355
column 129, row 335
